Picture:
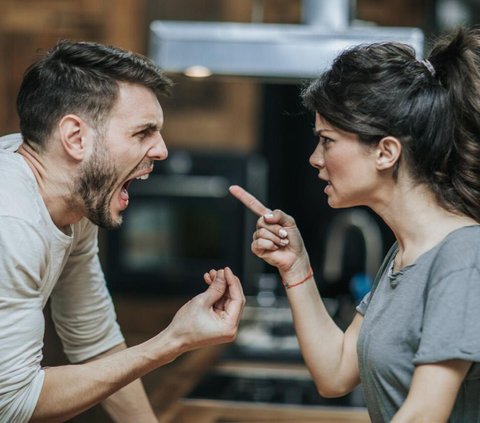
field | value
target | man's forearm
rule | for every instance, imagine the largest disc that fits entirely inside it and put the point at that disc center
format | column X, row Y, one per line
column 130, row 403
column 70, row 390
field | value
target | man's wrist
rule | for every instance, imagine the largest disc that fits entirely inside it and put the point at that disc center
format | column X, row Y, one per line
column 165, row 347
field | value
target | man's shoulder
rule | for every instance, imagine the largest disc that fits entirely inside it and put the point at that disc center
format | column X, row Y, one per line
column 18, row 189
column 10, row 142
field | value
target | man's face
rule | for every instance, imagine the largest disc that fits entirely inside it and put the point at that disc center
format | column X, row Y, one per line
column 126, row 150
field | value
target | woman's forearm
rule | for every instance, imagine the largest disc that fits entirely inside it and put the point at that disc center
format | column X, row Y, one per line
column 329, row 353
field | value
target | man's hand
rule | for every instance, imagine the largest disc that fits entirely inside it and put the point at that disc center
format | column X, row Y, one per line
column 213, row 316
column 210, row 318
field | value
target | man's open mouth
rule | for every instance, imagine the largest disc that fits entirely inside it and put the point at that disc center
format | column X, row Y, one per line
column 124, row 191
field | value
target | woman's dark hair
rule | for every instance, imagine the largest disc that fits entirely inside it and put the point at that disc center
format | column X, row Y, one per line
column 382, row 89
column 80, row 78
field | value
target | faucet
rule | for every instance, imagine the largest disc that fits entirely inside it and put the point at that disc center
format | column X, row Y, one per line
column 362, row 221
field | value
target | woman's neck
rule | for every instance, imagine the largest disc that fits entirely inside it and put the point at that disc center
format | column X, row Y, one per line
column 418, row 222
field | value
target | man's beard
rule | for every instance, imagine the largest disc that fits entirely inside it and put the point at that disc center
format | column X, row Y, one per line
column 95, row 186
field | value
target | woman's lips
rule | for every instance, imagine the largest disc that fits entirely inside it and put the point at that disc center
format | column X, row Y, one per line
column 327, row 187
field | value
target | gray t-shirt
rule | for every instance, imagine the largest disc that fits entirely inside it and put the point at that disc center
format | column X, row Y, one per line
column 426, row 313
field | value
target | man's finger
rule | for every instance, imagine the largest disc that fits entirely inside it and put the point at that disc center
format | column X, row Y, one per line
column 249, row 200
column 217, row 288
column 207, row 278
column 237, row 298
column 210, row 276
column 234, row 285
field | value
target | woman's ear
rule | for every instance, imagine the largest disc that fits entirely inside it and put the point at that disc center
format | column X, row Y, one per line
column 72, row 131
column 388, row 153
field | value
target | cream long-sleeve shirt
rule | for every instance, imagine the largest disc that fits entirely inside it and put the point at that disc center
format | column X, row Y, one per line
column 38, row 262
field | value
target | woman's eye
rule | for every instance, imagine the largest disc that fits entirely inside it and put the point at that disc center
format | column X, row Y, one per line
column 324, row 141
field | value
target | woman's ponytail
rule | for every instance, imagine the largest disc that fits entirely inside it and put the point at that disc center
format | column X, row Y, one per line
column 456, row 60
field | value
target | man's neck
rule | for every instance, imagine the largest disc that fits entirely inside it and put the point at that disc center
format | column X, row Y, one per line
column 53, row 183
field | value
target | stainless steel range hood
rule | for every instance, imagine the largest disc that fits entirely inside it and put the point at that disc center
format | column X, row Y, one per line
column 298, row 51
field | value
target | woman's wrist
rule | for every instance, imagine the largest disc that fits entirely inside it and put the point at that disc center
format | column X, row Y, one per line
column 291, row 284
column 297, row 274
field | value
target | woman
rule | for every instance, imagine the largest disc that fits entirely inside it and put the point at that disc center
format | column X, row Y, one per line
column 400, row 136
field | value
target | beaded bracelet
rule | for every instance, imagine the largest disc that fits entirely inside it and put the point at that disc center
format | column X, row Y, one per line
column 306, row 278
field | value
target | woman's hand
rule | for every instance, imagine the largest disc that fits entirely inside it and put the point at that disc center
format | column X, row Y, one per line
column 277, row 239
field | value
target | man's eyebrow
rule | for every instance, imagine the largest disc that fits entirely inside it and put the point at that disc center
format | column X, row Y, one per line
column 149, row 126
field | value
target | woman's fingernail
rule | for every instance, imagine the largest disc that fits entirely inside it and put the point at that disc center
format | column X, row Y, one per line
column 284, row 241
column 283, row 233
column 268, row 215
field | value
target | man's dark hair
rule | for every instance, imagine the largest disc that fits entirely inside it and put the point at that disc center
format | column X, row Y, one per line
column 80, row 78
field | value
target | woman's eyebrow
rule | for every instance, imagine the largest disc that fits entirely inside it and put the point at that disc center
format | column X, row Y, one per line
column 318, row 132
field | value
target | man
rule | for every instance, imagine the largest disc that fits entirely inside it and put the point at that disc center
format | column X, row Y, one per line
column 90, row 120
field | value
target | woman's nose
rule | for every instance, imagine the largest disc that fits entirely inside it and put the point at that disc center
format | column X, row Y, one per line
column 316, row 159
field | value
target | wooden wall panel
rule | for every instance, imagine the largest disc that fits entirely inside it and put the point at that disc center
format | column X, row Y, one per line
column 27, row 26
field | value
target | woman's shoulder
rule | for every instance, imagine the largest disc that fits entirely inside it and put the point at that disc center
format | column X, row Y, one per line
column 464, row 236
column 460, row 249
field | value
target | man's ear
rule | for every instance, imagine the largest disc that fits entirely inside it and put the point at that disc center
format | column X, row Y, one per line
column 388, row 153
column 72, row 130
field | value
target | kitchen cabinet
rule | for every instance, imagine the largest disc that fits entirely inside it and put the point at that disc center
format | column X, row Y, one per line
column 28, row 27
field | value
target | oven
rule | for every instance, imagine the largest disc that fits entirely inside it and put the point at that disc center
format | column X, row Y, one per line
column 182, row 221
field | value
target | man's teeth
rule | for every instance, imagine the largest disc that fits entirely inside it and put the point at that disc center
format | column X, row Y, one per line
column 143, row 177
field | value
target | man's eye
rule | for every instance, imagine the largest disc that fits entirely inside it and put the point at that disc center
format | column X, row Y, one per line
column 142, row 135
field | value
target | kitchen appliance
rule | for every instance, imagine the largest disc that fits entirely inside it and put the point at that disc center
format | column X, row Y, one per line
column 280, row 51
column 182, row 222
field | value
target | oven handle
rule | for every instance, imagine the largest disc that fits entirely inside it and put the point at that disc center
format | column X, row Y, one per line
column 182, row 186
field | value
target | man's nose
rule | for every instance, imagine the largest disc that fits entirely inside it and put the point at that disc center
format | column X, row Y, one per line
column 159, row 150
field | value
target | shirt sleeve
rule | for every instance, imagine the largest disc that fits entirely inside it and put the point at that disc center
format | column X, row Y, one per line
column 363, row 305
column 23, row 267
column 452, row 312
column 82, row 308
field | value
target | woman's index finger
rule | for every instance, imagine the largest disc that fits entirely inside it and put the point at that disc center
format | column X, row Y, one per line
column 249, row 200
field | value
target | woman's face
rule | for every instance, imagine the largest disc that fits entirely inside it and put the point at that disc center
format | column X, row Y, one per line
column 347, row 165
